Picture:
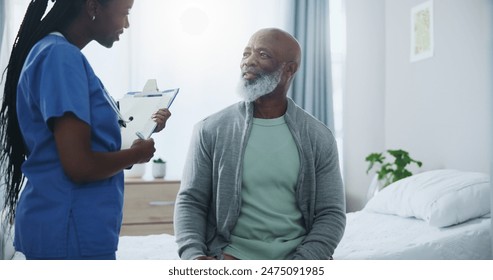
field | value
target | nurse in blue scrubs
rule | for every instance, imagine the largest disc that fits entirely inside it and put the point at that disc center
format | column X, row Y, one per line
column 60, row 134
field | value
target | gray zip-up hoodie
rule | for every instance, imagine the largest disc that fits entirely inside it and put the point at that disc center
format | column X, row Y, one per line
column 209, row 201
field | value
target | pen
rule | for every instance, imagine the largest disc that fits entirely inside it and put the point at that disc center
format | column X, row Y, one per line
column 140, row 135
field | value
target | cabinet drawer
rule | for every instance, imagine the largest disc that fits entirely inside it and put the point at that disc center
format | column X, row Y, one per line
column 148, row 207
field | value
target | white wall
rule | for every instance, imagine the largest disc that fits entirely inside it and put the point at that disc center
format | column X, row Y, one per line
column 363, row 101
column 438, row 109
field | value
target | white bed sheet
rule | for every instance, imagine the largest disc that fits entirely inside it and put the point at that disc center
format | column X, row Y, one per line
column 378, row 236
column 148, row 247
column 367, row 236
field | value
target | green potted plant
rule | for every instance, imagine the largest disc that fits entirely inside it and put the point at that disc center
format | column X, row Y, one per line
column 389, row 171
column 158, row 168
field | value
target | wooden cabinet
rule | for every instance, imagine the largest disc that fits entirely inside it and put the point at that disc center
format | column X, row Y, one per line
column 148, row 206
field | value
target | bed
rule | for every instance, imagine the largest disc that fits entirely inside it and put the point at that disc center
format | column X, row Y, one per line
column 440, row 214
column 388, row 237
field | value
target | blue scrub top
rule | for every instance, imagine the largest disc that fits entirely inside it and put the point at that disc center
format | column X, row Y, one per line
column 57, row 79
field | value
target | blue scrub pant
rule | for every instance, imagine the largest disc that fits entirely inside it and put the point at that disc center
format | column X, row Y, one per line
column 73, row 251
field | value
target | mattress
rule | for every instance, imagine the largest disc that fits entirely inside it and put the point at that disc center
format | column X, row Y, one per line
column 370, row 235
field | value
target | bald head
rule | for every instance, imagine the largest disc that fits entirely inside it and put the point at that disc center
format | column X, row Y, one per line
column 281, row 41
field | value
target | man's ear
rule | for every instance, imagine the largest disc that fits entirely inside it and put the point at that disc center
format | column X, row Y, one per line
column 291, row 68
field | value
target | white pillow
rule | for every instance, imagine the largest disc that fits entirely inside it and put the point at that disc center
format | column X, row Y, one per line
column 440, row 197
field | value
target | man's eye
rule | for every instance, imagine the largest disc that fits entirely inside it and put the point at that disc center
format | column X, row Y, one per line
column 245, row 55
column 264, row 55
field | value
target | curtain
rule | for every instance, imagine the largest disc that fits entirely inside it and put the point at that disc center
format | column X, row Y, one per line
column 2, row 221
column 2, row 23
column 312, row 86
column 2, row 20
column 2, row 26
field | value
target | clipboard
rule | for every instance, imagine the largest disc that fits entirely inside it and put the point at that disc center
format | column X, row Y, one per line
column 137, row 109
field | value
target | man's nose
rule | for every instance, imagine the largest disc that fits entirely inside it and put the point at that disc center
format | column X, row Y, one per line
column 251, row 60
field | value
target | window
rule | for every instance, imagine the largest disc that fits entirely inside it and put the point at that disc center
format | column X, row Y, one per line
column 338, row 49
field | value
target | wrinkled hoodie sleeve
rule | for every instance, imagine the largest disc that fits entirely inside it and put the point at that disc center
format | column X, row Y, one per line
column 329, row 218
column 322, row 192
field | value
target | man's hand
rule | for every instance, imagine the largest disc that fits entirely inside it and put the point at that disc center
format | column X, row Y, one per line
column 206, row 258
column 229, row 257
column 225, row 256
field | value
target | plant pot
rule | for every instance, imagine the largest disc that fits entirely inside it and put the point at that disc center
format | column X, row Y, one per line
column 158, row 169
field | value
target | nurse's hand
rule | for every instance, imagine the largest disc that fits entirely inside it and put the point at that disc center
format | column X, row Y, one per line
column 144, row 149
column 160, row 117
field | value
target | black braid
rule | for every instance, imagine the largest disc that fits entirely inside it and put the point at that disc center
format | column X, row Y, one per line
column 32, row 29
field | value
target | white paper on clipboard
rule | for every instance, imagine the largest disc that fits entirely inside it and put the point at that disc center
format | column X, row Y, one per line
column 139, row 108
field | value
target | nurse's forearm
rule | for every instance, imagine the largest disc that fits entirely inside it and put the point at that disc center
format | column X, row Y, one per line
column 81, row 164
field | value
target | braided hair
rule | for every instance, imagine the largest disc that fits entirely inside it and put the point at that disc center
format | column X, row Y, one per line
column 33, row 28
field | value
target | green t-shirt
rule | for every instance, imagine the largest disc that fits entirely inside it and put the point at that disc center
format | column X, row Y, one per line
column 270, row 224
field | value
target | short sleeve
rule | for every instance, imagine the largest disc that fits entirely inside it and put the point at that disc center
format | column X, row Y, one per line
column 63, row 84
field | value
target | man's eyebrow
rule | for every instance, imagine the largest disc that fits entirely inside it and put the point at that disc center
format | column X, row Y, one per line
column 262, row 49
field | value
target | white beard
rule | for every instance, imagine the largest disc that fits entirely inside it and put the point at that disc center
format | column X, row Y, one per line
column 264, row 84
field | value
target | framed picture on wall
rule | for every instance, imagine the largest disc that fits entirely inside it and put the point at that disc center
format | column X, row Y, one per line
column 422, row 31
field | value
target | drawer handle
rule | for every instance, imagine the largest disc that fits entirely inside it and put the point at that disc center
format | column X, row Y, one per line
column 161, row 203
